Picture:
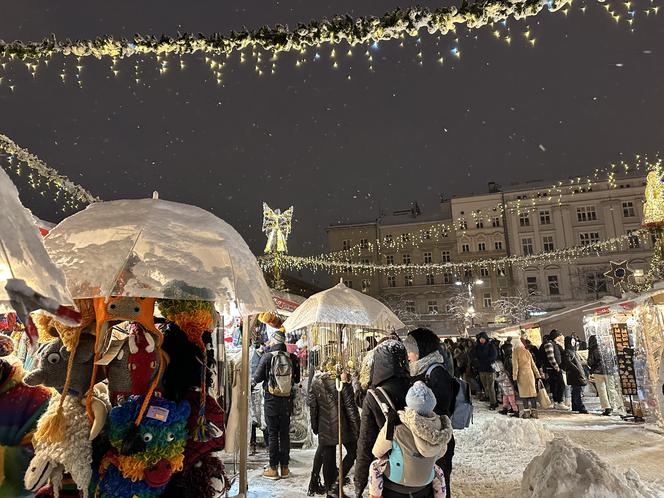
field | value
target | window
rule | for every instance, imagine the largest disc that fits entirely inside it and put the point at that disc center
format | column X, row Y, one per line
column 389, row 259
column 545, row 217
column 486, row 300
column 484, row 272
column 588, row 238
column 428, row 258
column 498, row 245
column 628, row 209
column 447, row 278
column 348, row 283
column 554, row 287
column 430, row 279
column 479, row 224
column 364, row 243
column 634, row 241
column 408, row 280
column 465, row 247
column 447, row 256
column 388, row 239
column 405, row 237
column 481, row 246
column 500, row 271
column 391, row 281
column 595, row 282
column 468, row 274
column 432, row 307
column 586, row 213
column 531, row 283
column 410, row 306
column 495, row 222
column 524, row 219
column 463, row 225
column 527, row 246
column 406, row 259
column 366, row 285
column 547, row 243
column 345, row 245
column 426, row 234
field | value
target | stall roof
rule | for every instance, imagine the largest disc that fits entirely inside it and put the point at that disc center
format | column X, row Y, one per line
column 628, row 301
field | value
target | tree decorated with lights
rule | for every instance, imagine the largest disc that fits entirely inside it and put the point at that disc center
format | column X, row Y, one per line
column 517, row 308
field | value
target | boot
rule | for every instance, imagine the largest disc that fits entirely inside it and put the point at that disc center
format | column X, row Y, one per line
column 526, row 414
column 253, row 449
column 515, row 414
column 285, row 473
column 315, row 486
column 533, row 413
column 271, row 473
column 607, row 412
column 503, row 411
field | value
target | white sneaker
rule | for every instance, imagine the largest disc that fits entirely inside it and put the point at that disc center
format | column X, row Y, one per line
column 561, row 406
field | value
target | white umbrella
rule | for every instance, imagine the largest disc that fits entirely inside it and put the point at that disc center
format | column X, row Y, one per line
column 22, row 253
column 161, row 249
column 342, row 306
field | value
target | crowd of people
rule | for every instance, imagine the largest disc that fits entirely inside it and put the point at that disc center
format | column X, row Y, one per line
column 396, row 407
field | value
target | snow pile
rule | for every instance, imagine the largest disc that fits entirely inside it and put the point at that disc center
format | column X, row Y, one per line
column 566, row 470
column 490, row 455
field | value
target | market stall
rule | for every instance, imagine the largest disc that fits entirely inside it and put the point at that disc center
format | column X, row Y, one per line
column 630, row 336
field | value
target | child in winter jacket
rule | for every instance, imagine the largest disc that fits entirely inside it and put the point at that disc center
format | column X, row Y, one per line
column 407, row 448
column 506, row 388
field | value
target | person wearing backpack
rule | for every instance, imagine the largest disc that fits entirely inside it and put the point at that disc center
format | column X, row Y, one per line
column 279, row 371
column 408, row 447
column 427, row 365
column 389, row 383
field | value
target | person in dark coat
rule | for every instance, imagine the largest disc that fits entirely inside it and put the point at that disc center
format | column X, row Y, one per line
column 389, row 372
column 324, row 423
column 552, row 359
column 576, row 377
column 484, row 354
column 422, row 346
column 277, row 409
column 601, row 375
column 506, row 349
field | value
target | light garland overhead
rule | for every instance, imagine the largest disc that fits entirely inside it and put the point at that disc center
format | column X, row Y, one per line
column 566, row 254
column 40, row 171
column 339, row 29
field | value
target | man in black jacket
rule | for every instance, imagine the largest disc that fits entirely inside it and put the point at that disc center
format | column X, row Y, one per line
column 324, row 423
column 484, row 355
column 277, row 409
column 576, row 376
column 426, row 364
column 552, row 359
column 389, row 372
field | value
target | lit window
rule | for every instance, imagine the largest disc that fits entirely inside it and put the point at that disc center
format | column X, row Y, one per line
column 628, row 209
column 547, row 243
column 527, row 246
column 586, row 213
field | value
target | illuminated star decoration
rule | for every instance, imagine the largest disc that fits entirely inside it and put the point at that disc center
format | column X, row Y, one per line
column 619, row 273
column 653, row 211
column 277, row 227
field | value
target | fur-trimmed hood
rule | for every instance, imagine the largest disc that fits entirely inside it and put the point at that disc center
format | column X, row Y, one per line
column 431, row 434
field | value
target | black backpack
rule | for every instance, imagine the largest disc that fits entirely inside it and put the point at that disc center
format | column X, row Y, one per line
column 462, row 410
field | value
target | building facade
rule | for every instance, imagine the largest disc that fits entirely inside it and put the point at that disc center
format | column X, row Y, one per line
column 515, row 221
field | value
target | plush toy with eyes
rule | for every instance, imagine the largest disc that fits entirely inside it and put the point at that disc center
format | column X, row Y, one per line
column 143, row 468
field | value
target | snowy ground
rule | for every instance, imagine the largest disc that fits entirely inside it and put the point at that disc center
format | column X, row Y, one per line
column 493, row 453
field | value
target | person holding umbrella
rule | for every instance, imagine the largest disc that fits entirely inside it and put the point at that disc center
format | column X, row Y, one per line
column 279, row 370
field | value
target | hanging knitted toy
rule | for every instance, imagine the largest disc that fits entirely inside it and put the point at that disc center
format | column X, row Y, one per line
column 195, row 319
column 144, row 471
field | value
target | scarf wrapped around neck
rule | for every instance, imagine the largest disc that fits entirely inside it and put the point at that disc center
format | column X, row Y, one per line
column 420, row 366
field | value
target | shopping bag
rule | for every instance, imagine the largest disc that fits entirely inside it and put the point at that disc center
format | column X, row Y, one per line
column 542, row 396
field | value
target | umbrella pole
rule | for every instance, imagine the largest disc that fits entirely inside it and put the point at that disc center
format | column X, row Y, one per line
column 244, row 406
column 340, row 387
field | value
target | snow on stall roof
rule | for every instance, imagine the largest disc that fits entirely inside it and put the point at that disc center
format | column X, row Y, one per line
column 566, row 470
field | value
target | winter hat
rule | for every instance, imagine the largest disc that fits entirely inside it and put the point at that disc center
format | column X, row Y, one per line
column 426, row 342
column 421, row 399
column 553, row 334
column 279, row 337
column 6, row 345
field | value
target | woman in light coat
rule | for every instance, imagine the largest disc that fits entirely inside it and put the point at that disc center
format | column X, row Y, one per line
column 525, row 374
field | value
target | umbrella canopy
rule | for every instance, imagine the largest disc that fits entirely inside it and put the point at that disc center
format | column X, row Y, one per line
column 160, row 249
column 341, row 305
column 22, row 253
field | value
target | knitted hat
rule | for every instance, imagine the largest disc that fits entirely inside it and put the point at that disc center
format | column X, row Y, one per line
column 6, row 345
column 270, row 319
column 421, row 399
column 279, row 337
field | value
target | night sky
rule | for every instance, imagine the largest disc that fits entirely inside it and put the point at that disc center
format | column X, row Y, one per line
column 588, row 93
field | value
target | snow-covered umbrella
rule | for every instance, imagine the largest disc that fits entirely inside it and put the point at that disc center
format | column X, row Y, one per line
column 154, row 248
column 342, row 307
column 22, row 253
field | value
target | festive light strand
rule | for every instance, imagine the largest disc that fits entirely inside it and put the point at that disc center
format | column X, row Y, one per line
column 355, row 31
column 567, row 254
column 52, row 178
